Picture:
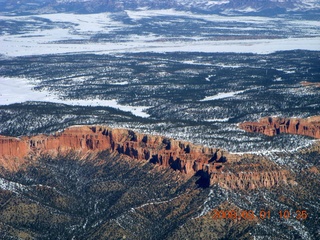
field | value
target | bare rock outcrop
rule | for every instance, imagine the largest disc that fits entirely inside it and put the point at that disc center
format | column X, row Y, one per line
column 179, row 155
column 248, row 172
column 213, row 164
column 250, row 180
column 12, row 152
column 272, row 126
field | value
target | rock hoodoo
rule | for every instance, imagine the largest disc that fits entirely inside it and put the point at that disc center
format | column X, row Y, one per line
column 179, row 155
column 272, row 126
column 213, row 164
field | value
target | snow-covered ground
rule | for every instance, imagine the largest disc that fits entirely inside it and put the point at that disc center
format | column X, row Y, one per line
column 72, row 33
column 221, row 96
column 15, row 46
column 17, row 90
column 67, row 27
column 217, row 120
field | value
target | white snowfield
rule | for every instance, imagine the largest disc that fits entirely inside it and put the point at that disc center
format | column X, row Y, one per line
column 221, row 96
column 37, row 41
column 68, row 29
column 17, row 90
column 15, row 46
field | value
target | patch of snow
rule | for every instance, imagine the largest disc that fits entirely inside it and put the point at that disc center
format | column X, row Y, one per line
column 17, row 90
column 208, row 78
column 195, row 63
column 278, row 79
column 223, row 65
column 85, row 224
column 120, row 83
column 86, row 23
column 248, row 10
column 10, row 186
column 212, row 3
column 221, row 96
column 217, row 120
column 137, row 15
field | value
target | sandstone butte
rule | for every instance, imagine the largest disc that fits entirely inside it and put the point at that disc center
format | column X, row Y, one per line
column 179, row 155
column 272, row 126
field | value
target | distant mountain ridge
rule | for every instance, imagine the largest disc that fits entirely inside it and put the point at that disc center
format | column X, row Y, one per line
column 217, row 6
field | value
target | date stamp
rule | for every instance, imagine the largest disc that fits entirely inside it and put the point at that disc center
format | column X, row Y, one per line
column 262, row 214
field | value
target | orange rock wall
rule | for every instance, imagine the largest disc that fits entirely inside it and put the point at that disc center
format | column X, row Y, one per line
column 12, row 152
column 13, row 147
column 179, row 155
column 272, row 126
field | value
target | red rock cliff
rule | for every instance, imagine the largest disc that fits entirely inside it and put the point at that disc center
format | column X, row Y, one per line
column 247, row 172
column 214, row 164
column 272, row 126
column 179, row 155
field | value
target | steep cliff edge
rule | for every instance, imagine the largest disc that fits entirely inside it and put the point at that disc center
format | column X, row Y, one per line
column 247, row 173
column 272, row 126
column 179, row 155
column 212, row 164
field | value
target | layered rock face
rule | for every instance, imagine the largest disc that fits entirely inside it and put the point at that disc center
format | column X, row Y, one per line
column 179, row 155
column 213, row 164
column 252, row 179
column 12, row 152
column 272, row 126
column 247, row 172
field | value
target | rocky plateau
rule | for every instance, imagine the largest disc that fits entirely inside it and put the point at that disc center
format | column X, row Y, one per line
column 214, row 165
column 272, row 126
